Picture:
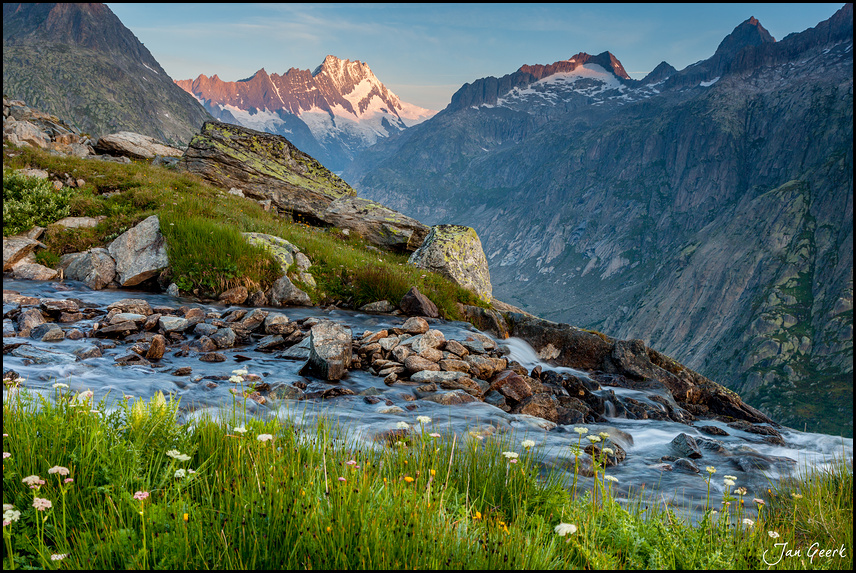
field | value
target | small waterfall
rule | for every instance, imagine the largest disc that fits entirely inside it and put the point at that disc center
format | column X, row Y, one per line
column 520, row 351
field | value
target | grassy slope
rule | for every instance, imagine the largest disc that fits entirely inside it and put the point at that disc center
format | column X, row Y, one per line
column 201, row 225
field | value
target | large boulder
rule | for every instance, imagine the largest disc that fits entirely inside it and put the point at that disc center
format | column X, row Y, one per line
column 329, row 351
column 135, row 145
column 95, row 267
column 455, row 252
column 264, row 167
column 376, row 224
column 139, row 252
column 283, row 251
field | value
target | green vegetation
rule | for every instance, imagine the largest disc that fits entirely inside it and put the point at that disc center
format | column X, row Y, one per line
column 87, row 487
column 202, row 226
column 30, row 201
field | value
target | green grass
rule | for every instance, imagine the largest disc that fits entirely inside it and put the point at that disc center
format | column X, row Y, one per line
column 202, row 224
column 417, row 502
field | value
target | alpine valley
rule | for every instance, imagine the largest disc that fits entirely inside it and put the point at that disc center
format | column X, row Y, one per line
column 707, row 211
column 331, row 113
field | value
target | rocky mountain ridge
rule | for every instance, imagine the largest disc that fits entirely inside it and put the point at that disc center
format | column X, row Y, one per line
column 331, row 113
column 79, row 61
column 707, row 211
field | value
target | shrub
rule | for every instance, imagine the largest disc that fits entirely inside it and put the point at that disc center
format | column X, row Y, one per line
column 30, row 201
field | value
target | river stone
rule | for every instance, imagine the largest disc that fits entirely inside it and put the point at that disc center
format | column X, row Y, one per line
column 157, row 347
column 277, row 323
column 140, row 252
column 96, row 268
column 173, row 324
column 455, row 252
column 417, row 364
column 329, row 350
column 415, row 325
column 451, row 398
column 28, row 320
column 47, row 332
column 431, row 339
column 436, row 377
column 685, row 446
column 224, row 337
column 43, row 355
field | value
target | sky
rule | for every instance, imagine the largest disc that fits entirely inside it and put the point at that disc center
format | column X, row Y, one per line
column 425, row 52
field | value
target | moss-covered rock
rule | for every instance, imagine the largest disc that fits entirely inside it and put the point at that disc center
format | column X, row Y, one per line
column 264, row 166
column 456, row 252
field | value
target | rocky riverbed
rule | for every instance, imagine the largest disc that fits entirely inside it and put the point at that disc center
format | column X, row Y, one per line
column 375, row 371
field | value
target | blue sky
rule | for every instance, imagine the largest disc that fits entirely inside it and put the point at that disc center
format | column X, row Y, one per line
column 425, row 52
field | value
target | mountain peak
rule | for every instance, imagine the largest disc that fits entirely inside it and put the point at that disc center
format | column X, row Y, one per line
column 748, row 33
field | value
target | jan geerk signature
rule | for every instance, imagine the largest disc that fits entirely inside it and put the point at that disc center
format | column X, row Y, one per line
column 814, row 550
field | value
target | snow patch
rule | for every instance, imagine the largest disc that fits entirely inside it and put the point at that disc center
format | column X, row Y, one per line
column 709, row 83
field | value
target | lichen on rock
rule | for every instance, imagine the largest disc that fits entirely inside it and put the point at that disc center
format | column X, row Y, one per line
column 455, row 252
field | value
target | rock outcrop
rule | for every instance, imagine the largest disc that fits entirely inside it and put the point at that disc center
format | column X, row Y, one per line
column 135, row 146
column 268, row 167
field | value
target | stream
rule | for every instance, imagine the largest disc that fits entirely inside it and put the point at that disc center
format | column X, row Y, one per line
column 754, row 462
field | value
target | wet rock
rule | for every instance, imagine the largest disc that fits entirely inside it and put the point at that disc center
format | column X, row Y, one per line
column 224, row 337
column 329, row 351
column 132, row 359
column 685, row 446
column 685, row 465
column 381, row 306
column 487, row 320
column 48, row 332
column 28, row 320
column 157, row 347
column 541, row 405
column 87, row 351
column 457, row 348
column 204, row 329
column 451, row 398
column 512, row 385
column 235, row 295
column 213, row 357
column 43, row 355
column 270, row 343
column 496, row 399
column 712, row 430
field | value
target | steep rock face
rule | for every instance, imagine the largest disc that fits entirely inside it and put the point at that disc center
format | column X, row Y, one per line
column 51, row 52
column 331, row 113
column 710, row 215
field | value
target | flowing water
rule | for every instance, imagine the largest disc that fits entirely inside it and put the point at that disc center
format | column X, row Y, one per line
column 742, row 454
